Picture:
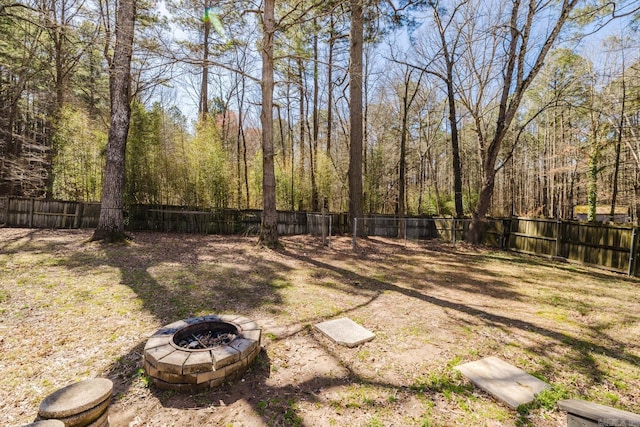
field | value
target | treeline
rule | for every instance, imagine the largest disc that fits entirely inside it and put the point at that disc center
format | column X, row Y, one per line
column 446, row 129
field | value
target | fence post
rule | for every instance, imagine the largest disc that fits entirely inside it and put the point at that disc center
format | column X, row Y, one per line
column 77, row 220
column 405, row 231
column 324, row 227
column 6, row 213
column 31, row 209
column 453, row 231
column 634, row 244
column 355, row 233
column 504, row 244
column 558, row 237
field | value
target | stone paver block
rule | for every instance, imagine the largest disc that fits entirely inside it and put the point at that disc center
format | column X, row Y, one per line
column 179, row 387
column 504, row 381
column 76, row 398
column 243, row 345
column 252, row 335
column 240, row 320
column 153, row 355
column 157, row 341
column 223, row 356
column 172, row 362
column 345, row 331
column 171, row 328
column 230, row 318
column 176, row 378
column 198, row 361
column 249, row 326
column 202, row 377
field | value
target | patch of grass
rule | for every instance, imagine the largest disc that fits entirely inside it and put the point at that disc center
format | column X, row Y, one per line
column 291, row 416
column 546, row 399
column 374, row 422
column 363, row 355
column 280, row 284
column 4, row 296
column 144, row 379
column 448, row 382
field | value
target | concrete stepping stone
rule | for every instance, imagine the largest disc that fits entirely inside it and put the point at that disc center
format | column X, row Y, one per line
column 78, row 405
column 46, row 423
column 504, row 381
column 345, row 331
column 581, row 413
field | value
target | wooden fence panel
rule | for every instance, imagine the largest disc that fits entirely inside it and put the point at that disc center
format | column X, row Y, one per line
column 291, row 223
column 533, row 236
column 87, row 215
column 603, row 245
column 19, row 212
column 4, row 210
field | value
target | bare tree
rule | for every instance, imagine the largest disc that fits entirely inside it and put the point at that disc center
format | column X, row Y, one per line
column 521, row 61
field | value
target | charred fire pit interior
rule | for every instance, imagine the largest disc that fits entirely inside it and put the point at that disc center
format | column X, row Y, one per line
column 201, row 352
column 202, row 336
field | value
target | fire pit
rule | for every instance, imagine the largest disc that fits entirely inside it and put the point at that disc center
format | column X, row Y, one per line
column 201, row 352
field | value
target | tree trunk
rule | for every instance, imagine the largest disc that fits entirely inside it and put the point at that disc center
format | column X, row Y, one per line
column 269, row 226
column 616, row 170
column 355, row 112
column 313, row 155
column 239, row 144
column 330, row 86
column 449, row 53
column 203, row 108
column 302, row 115
column 111, row 222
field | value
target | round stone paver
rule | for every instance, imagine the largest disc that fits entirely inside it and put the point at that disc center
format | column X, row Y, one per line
column 46, row 423
column 90, row 418
column 76, row 398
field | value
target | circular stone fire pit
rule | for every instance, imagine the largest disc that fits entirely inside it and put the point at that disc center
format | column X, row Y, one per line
column 201, row 352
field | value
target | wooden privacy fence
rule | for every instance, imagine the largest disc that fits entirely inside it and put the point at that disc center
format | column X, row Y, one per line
column 40, row 213
column 222, row 221
column 614, row 247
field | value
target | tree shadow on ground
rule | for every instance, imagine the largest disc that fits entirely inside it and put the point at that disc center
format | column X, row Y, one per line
column 216, row 287
column 582, row 348
column 279, row 405
column 447, row 268
column 194, row 288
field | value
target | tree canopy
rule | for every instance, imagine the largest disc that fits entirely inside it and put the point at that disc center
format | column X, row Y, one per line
column 468, row 108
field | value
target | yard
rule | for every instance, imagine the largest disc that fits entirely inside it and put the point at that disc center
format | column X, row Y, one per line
column 72, row 310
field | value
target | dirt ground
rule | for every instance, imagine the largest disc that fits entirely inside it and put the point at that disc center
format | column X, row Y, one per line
column 72, row 310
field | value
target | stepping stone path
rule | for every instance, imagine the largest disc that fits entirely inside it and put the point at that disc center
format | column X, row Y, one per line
column 504, row 381
column 83, row 404
column 345, row 331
